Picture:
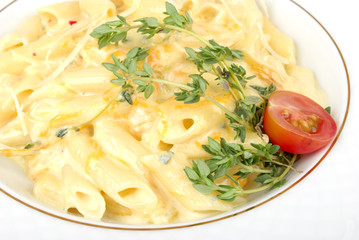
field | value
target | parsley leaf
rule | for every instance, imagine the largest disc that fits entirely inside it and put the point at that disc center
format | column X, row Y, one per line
column 62, row 132
column 111, row 32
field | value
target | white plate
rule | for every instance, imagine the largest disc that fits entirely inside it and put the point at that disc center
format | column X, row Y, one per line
column 316, row 50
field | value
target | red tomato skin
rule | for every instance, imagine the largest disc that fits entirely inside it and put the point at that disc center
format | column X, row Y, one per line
column 290, row 138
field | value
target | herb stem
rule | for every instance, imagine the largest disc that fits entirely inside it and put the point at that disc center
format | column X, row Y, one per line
column 233, row 180
column 288, row 167
column 255, row 189
column 258, row 170
column 224, row 65
column 223, row 108
column 97, row 115
column 125, row 28
column 165, row 82
column 230, row 89
column 193, row 34
column 291, row 167
column 270, row 184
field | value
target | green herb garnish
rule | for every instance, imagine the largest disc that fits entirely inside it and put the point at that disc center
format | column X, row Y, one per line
column 29, row 146
column 328, row 109
column 267, row 161
column 62, row 132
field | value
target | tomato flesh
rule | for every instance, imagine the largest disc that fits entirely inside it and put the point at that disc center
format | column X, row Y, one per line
column 296, row 123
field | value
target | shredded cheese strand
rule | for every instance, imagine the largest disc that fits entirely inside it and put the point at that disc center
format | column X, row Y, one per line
column 73, row 29
column 19, row 112
column 265, row 9
column 127, row 12
column 80, row 45
column 6, row 147
column 268, row 47
column 231, row 14
column 262, row 38
column 23, row 57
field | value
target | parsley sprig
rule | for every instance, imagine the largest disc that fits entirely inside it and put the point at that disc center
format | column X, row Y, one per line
column 266, row 161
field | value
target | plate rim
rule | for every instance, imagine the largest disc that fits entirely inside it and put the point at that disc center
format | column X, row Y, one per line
column 204, row 221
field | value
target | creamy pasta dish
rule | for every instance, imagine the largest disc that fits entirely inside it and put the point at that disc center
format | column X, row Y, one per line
column 110, row 106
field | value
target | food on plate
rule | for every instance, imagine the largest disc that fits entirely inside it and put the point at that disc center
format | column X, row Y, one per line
column 151, row 112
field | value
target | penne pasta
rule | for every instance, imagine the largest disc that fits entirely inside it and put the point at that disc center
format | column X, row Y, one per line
column 146, row 112
column 121, row 184
column 98, row 8
column 89, row 81
column 118, row 143
column 82, row 195
column 172, row 176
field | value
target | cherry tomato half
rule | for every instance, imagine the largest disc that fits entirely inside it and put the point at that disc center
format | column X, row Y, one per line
column 296, row 123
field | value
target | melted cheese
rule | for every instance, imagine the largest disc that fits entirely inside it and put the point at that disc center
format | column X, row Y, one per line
column 126, row 162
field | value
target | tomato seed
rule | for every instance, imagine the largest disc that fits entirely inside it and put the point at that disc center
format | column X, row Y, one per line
column 304, row 126
column 295, row 123
column 314, row 118
column 286, row 114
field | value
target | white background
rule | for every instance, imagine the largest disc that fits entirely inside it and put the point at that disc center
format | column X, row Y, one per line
column 325, row 205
